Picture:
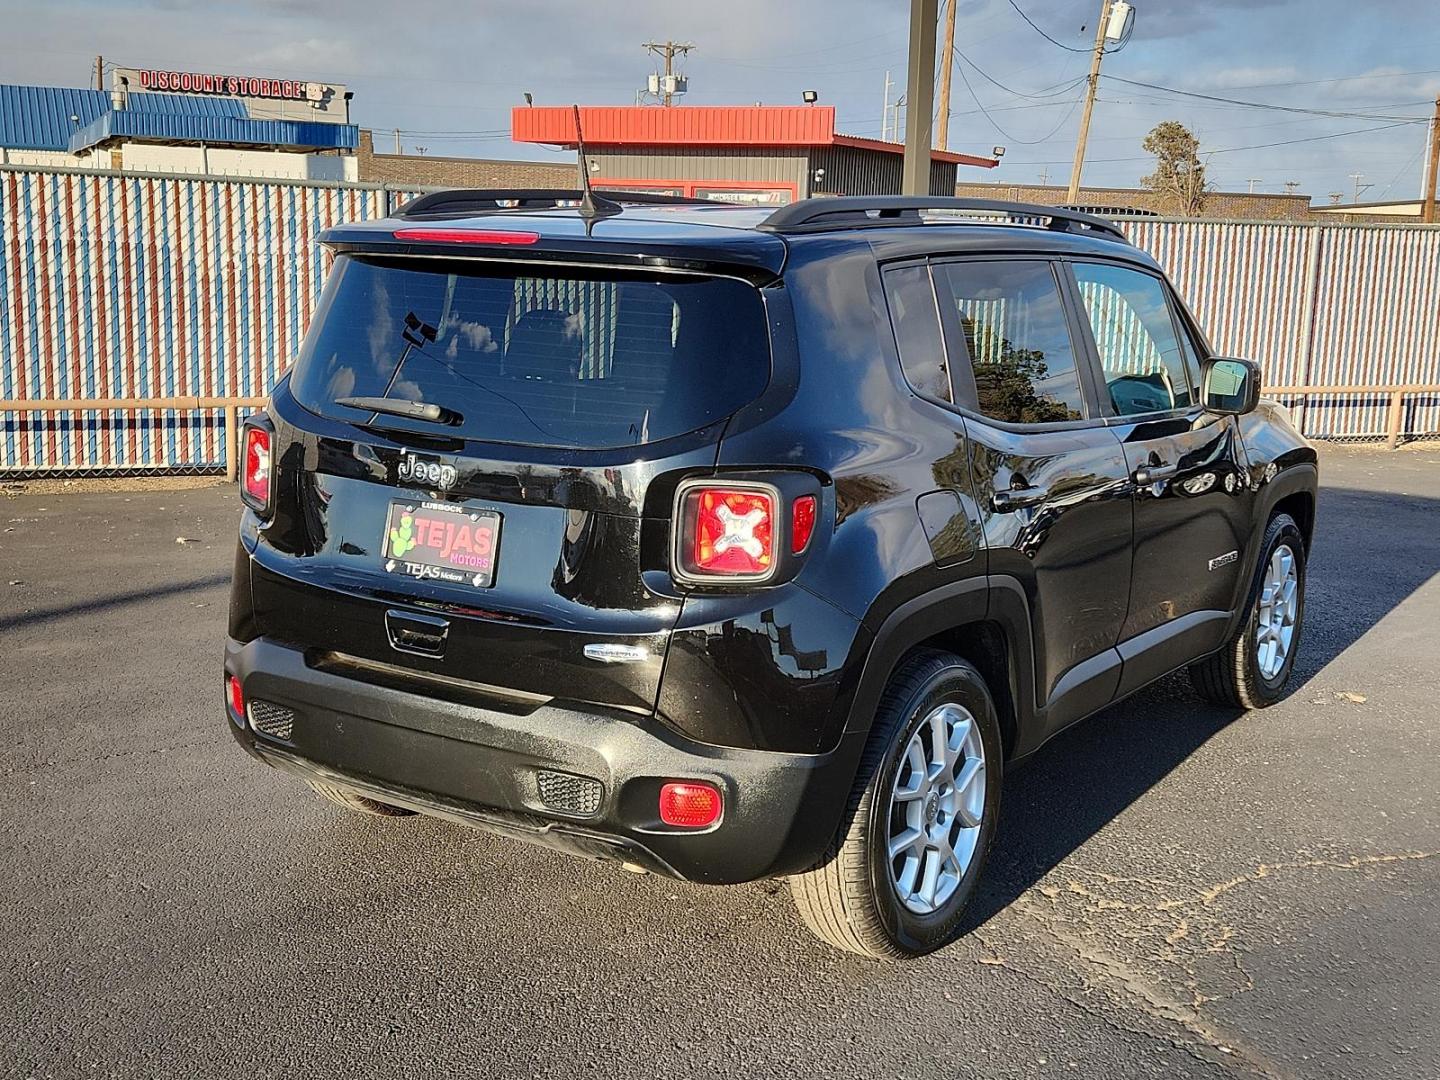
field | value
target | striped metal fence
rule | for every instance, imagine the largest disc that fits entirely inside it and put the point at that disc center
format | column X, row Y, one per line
column 193, row 293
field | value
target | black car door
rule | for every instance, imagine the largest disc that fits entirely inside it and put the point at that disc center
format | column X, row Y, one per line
column 1049, row 476
column 1186, row 467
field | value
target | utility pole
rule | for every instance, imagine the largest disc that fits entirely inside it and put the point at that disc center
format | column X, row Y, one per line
column 1045, row 176
column 885, row 111
column 99, row 73
column 947, row 64
column 1252, row 181
column 1359, row 187
column 1093, row 83
column 1116, row 15
column 397, row 140
column 668, row 50
column 1432, row 170
column 920, row 97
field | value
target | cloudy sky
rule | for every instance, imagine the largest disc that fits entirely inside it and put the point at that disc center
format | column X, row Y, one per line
column 447, row 74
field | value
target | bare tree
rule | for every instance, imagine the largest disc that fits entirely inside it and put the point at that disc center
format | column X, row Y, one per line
column 1179, row 177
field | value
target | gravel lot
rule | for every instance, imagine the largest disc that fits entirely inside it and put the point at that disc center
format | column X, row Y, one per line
column 1176, row 890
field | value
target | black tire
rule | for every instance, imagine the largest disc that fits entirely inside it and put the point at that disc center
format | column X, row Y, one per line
column 1233, row 676
column 849, row 899
column 362, row 804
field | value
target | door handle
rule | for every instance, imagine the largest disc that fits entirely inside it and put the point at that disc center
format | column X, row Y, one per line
column 1149, row 474
column 1007, row 499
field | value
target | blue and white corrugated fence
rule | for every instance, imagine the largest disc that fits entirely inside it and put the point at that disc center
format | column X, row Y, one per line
column 1316, row 305
column 124, row 286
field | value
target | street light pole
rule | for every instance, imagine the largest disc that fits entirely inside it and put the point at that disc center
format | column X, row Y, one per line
column 1073, row 195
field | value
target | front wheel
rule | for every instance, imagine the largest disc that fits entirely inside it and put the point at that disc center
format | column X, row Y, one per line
column 1251, row 671
column 920, row 819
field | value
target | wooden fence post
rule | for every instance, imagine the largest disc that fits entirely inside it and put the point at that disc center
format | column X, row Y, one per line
column 1397, row 416
column 232, row 467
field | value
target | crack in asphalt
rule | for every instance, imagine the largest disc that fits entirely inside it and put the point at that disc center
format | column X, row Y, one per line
column 1106, row 970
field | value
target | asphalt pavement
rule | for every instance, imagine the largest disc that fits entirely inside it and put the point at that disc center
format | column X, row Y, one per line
column 1176, row 889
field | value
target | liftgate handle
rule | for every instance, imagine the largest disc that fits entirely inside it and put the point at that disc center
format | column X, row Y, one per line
column 1148, row 474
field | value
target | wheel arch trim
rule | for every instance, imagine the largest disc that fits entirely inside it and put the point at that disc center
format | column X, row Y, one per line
column 999, row 600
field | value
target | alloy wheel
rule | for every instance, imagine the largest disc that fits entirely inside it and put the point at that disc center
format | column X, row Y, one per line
column 1279, row 609
column 936, row 808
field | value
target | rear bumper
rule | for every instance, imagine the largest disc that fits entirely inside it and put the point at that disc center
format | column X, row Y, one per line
column 481, row 767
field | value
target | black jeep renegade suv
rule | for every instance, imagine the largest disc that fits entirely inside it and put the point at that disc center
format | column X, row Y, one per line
column 729, row 543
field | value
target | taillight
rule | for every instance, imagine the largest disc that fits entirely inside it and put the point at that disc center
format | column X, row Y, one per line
column 235, row 696
column 727, row 532
column 466, row 236
column 255, row 480
column 690, row 805
column 802, row 523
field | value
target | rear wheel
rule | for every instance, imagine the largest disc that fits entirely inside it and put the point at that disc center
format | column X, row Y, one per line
column 359, row 803
column 918, row 826
column 1251, row 671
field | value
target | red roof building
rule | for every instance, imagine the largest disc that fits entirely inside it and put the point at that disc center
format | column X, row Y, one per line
column 759, row 153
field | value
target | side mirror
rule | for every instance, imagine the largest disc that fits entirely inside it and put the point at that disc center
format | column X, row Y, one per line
column 1229, row 387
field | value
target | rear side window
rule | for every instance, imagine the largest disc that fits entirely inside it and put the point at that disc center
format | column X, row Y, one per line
column 1018, row 340
column 1140, row 354
column 523, row 355
column 917, row 330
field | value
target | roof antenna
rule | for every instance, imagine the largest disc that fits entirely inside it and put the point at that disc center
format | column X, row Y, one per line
column 592, row 208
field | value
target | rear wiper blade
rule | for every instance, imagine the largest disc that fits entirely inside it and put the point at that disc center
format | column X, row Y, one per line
column 413, row 410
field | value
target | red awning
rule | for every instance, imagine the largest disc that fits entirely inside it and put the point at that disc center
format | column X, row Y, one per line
column 701, row 125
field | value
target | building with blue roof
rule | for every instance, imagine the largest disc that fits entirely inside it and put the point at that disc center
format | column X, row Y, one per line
column 184, row 122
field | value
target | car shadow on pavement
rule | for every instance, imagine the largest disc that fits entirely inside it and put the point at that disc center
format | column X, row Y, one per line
column 1372, row 551
column 98, row 604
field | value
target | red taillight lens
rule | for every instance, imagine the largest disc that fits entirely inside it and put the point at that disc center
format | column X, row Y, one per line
column 255, row 480
column 235, row 696
column 690, row 805
column 465, row 236
column 802, row 523
column 728, row 532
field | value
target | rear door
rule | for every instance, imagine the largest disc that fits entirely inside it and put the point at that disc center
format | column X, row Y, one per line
column 1186, row 466
column 1049, row 475
column 482, row 552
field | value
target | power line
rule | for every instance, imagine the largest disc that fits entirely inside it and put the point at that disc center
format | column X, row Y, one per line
column 1236, row 149
column 1257, row 104
column 1051, row 91
column 1042, row 33
column 995, row 124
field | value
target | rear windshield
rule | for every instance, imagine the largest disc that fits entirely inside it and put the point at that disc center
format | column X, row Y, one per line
column 567, row 358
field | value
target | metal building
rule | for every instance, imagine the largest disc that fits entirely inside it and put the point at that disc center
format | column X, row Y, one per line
column 757, row 153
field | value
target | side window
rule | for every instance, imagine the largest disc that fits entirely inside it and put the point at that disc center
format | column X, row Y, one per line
column 1015, row 333
column 917, row 330
column 1129, row 313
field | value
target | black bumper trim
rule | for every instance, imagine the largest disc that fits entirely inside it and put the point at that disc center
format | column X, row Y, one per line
column 479, row 767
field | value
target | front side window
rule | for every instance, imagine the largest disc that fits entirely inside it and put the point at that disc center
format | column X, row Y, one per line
column 917, row 330
column 1135, row 337
column 1015, row 332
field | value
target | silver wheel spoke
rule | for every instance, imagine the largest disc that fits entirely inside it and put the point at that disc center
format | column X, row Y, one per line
column 968, row 784
column 906, row 840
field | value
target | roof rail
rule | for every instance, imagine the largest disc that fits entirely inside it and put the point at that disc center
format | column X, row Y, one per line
column 472, row 202
column 860, row 211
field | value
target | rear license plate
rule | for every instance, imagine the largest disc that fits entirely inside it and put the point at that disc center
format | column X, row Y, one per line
column 442, row 541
